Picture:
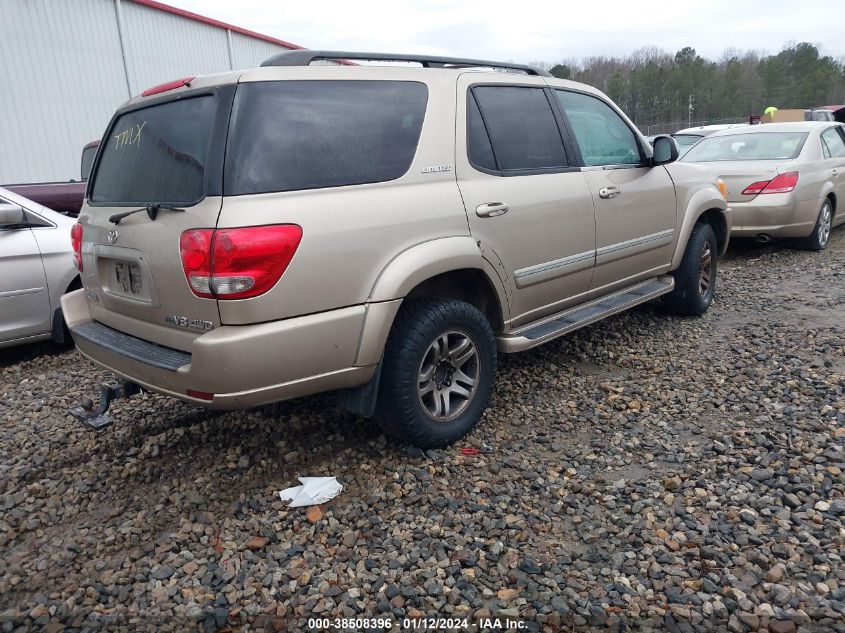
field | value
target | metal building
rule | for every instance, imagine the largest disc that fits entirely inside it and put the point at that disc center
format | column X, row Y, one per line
column 65, row 66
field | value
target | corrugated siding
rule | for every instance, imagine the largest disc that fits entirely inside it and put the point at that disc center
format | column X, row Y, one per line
column 62, row 73
column 162, row 46
column 59, row 84
column 249, row 52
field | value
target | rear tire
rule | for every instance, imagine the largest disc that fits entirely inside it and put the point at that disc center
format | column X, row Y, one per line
column 818, row 239
column 438, row 372
column 695, row 278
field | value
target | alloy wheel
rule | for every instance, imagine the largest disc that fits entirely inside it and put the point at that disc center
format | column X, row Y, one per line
column 448, row 375
column 824, row 224
column 705, row 269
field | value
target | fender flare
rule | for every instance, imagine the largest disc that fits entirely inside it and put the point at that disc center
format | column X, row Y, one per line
column 703, row 200
column 405, row 272
column 423, row 261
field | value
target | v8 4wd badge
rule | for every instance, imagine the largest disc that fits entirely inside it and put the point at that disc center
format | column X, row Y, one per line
column 193, row 324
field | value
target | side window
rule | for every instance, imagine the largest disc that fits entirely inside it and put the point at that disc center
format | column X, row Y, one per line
column 602, row 135
column 521, row 126
column 295, row 135
column 832, row 144
column 478, row 143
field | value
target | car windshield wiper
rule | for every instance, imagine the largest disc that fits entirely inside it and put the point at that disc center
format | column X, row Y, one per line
column 151, row 209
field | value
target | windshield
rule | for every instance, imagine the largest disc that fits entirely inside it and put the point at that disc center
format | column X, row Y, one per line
column 156, row 155
column 756, row 146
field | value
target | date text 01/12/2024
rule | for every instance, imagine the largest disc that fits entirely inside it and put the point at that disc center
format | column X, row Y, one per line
column 413, row 624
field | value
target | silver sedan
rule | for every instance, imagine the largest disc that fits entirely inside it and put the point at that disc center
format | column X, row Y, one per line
column 36, row 269
column 784, row 180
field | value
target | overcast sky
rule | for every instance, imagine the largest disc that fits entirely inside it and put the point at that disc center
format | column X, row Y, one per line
column 537, row 31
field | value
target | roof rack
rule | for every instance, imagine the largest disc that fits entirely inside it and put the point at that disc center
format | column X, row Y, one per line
column 305, row 57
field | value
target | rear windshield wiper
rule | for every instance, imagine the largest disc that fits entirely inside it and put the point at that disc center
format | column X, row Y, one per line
column 151, row 209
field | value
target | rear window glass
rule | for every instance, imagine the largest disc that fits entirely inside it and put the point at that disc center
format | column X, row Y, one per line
column 686, row 140
column 156, row 154
column 758, row 146
column 290, row 135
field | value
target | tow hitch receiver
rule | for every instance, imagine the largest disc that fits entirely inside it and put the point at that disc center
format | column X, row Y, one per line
column 97, row 418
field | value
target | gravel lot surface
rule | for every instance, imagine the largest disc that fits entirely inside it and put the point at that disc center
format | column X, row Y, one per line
column 648, row 472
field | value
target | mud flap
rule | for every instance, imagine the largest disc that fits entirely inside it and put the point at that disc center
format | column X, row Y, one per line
column 361, row 401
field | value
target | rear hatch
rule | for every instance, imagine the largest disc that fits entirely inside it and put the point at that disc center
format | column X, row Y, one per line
column 160, row 166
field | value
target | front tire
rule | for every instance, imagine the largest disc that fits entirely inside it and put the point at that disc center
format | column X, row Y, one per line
column 818, row 239
column 438, row 372
column 695, row 278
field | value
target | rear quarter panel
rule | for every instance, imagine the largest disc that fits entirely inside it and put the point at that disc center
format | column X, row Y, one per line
column 350, row 234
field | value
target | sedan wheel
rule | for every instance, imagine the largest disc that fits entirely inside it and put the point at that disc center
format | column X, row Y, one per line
column 825, row 219
column 818, row 239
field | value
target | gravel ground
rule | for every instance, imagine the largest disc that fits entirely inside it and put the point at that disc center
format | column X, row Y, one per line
column 647, row 473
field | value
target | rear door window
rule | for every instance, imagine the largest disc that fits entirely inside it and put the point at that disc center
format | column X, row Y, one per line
column 291, row 135
column 521, row 127
column 157, row 155
column 832, row 144
column 602, row 135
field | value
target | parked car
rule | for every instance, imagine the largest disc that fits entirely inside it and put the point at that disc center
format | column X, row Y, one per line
column 88, row 154
column 64, row 197
column 36, row 268
column 688, row 137
column 836, row 111
column 783, row 179
column 360, row 228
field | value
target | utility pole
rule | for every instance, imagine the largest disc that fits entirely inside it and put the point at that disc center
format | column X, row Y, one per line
column 690, row 108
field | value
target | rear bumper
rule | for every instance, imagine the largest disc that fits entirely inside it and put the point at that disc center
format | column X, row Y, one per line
column 243, row 366
column 778, row 215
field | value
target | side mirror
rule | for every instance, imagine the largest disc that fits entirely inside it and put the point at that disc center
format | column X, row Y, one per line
column 10, row 214
column 665, row 150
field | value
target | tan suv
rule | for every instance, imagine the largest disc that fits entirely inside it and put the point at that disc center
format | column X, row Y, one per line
column 379, row 230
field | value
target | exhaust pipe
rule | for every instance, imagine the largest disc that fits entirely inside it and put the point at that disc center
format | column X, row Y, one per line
column 764, row 239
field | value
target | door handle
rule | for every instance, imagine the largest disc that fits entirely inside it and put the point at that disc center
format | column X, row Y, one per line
column 609, row 192
column 835, row 173
column 491, row 209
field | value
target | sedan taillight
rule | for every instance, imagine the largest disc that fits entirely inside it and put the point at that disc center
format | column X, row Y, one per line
column 76, row 242
column 237, row 263
column 782, row 183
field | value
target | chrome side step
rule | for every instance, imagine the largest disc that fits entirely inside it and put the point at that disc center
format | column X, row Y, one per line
column 551, row 327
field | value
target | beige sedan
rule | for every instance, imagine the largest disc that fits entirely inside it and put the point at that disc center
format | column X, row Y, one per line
column 784, row 180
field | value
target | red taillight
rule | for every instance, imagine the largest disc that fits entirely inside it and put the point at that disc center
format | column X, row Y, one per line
column 237, row 263
column 170, row 85
column 76, row 242
column 782, row 183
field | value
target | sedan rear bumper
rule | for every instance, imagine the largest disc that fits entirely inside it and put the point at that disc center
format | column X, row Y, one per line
column 777, row 215
column 242, row 366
